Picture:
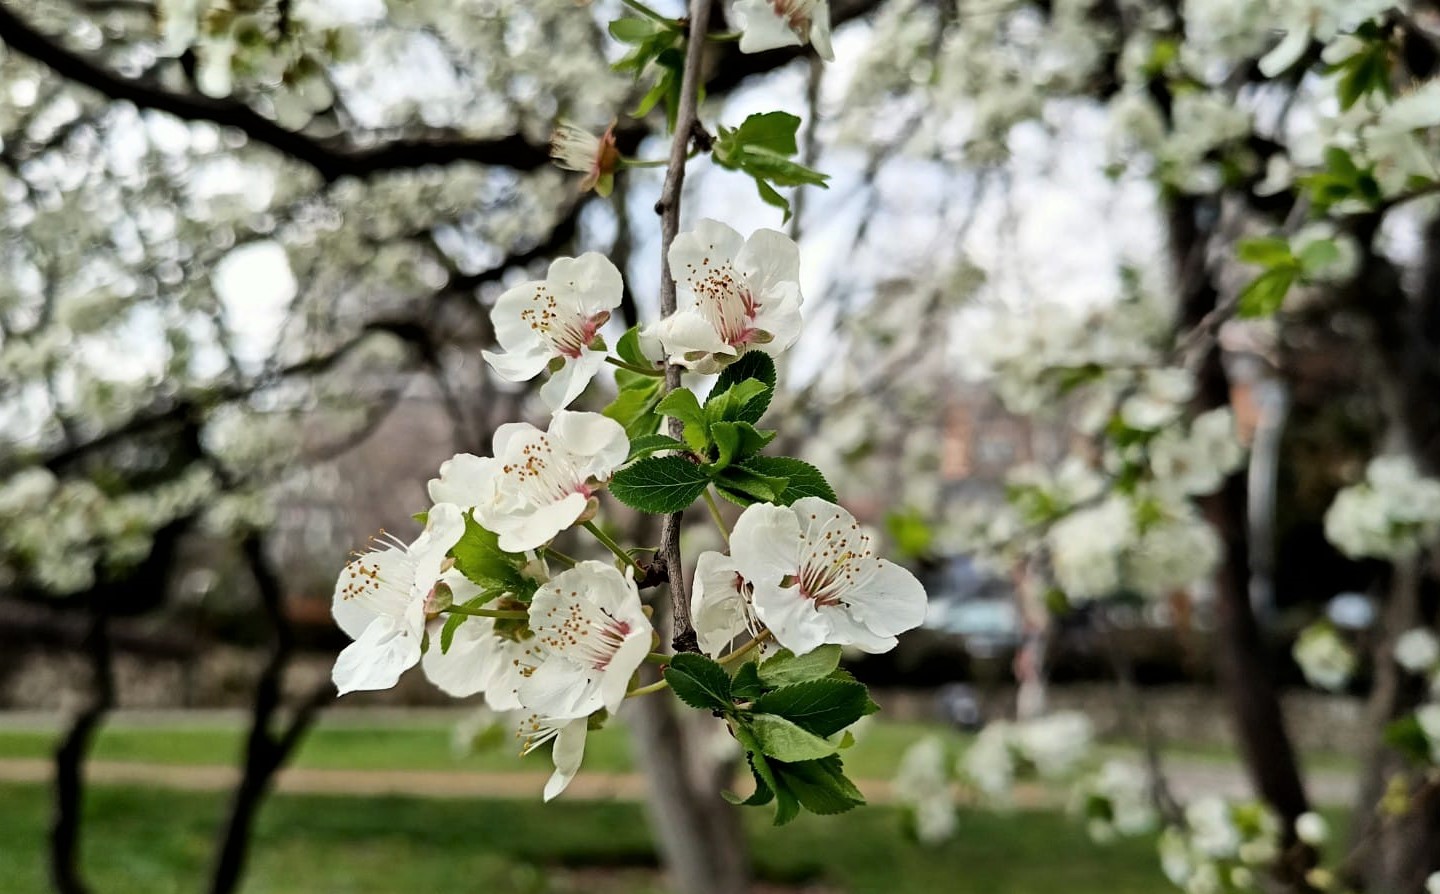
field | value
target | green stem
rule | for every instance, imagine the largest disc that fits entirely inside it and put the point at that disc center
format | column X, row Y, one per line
column 560, row 557
column 508, row 614
column 724, row 36
column 715, row 514
column 745, row 649
column 649, row 13
column 644, row 163
column 646, row 690
column 634, row 367
column 658, row 658
column 614, row 547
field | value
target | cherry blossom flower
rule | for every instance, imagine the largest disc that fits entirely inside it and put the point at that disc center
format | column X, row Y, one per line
column 567, row 752
column 771, row 24
column 486, row 655
column 541, row 323
column 720, row 607
column 577, row 149
column 817, row 580
column 381, row 600
column 589, row 622
column 742, row 294
column 539, row 483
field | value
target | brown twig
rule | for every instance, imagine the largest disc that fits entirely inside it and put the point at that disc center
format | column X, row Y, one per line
column 668, row 207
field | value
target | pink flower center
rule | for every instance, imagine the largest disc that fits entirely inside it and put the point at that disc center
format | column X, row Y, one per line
column 568, row 334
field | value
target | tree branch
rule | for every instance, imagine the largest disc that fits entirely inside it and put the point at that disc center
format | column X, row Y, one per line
column 331, row 159
column 668, row 207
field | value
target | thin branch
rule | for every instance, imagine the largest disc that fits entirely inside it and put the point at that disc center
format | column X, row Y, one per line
column 331, row 159
column 668, row 207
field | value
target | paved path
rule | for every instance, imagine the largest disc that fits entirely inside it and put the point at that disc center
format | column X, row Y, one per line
column 1188, row 779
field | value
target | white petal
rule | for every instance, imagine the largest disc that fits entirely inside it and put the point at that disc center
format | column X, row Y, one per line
column 561, row 688
column 761, row 28
column 443, row 529
column 696, row 253
column 779, row 315
column 513, row 331
column 1286, row 53
column 387, row 648
column 686, row 332
column 790, row 617
column 570, row 380
column 519, row 366
column 519, row 532
column 820, row 31
column 718, row 610
column 768, row 258
column 462, row 670
column 846, row 631
column 597, row 441
column 891, row 602
column 377, row 583
column 464, row 479
column 765, row 544
column 567, row 752
column 592, row 282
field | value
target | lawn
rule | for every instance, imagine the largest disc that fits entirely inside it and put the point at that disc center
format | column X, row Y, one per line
column 152, row 842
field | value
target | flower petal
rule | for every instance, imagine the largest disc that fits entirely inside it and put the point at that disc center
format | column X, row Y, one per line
column 568, row 382
column 790, row 617
column 384, row 651
column 521, row 531
column 464, row 479
column 894, row 601
column 589, row 284
column 762, row 28
column 597, row 442
column 765, row 543
column 719, row 611
column 567, row 752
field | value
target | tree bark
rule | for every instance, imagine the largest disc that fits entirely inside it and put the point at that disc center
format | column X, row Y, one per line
column 1243, row 667
column 265, row 750
column 70, row 756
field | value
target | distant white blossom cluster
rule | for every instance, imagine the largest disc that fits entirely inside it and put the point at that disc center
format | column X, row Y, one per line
column 1394, row 513
column 1116, row 801
column 1050, row 746
column 1222, row 847
column 1324, row 657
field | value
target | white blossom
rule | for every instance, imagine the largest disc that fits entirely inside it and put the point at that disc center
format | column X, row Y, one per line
column 771, row 24
column 380, row 603
column 1195, row 462
column 577, row 149
column 1311, row 828
column 817, row 580
column 740, row 294
column 538, row 483
column 540, row 324
column 1392, row 514
column 1323, row 657
column 720, row 603
column 923, row 785
column 1417, row 650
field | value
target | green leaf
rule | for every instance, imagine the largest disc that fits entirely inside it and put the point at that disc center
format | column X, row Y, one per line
column 767, row 784
column 682, row 404
column 659, row 484
column 628, row 349
column 728, row 405
column 634, row 30
column 751, row 365
column 771, row 196
column 1266, row 293
column 820, row 786
column 785, row 668
column 1318, row 255
column 1266, row 252
column 699, row 682
column 746, row 684
column 822, row 707
column 805, row 479
column 736, row 440
column 743, row 486
column 648, row 444
column 1407, row 737
column 774, row 131
column 447, row 633
column 634, row 407
column 785, row 741
column 479, row 557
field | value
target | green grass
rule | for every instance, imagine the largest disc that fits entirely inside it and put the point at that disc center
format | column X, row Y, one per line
column 151, row 842
column 423, row 743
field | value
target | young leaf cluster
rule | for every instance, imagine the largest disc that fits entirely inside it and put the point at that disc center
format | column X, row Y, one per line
column 499, row 574
column 764, row 146
column 721, row 444
column 1265, row 294
column 789, row 714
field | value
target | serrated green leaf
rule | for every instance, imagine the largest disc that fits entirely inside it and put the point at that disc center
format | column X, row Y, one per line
column 682, row 404
column 785, row 668
column 821, row 707
column 1266, row 252
column 735, row 441
column 820, row 786
column 479, row 557
column 755, row 365
column 634, row 30
column 777, row 169
column 805, row 480
column 648, row 444
column 771, row 196
column 774, row 131
column 659, row 484
column 634, row 407
column 1266, row 293
column 699, row 682
column 746, row 683
column 785, row 740
column 743, row 486
column 727, row 405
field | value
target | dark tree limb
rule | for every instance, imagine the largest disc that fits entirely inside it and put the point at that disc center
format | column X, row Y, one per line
column 266, row 749
column 70, row 759
column 331, row 159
